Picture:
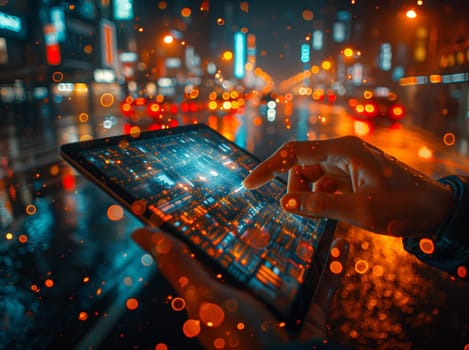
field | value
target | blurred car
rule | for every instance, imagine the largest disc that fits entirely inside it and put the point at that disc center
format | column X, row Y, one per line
column 378, row 107
column 226, row 101
column 320, row 94
column 144, row 113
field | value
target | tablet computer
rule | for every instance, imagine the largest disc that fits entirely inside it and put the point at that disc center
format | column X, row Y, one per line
column 187, row 181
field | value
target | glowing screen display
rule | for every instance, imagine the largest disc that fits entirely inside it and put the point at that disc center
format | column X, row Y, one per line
column 190, row 182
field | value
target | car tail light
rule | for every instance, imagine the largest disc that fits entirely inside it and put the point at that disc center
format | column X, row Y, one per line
column 68, row 181
column 140, row 101
column 352, row 102
column 359, row 108
column 193, row 107
column 397, row 112
column 212, row 105
column 370, row 109
column 154, row 109
column 226, row 105
column 155, row 126
column 126, row 109
column 173, row 108
column 185, row 107
column 126, row 128
column 318, row 95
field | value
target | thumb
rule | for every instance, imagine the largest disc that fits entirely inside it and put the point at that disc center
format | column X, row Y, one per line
column 332, row 273
column 344, row 207
column 331, row 276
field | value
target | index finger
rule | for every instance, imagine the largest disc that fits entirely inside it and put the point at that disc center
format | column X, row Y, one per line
column 289, row 155
column 345, row 148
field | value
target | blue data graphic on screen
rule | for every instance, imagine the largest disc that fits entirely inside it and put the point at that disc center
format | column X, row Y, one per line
column 192, row 181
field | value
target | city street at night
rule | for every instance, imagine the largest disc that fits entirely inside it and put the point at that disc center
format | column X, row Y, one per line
column 72, row 277
column 72, row 268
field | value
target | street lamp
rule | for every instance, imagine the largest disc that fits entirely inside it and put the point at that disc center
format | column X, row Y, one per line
column 227, row 56
column 348, row 52
column 168, row 39
column 426, row 37
column 411, row 14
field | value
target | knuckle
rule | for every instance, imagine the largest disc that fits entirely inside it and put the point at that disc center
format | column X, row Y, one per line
column 314, row 203
column 352, row 140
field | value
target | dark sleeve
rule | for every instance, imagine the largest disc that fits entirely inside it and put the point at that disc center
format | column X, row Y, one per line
column 450, row 249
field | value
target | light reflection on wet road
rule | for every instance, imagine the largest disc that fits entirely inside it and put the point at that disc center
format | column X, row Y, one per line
column 68, row 270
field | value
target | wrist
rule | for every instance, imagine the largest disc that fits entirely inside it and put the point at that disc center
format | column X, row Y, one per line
column 438, row 203
column 448, row 248
column 455, row 187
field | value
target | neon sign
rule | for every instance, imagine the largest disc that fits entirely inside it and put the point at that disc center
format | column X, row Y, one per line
column 10, row 23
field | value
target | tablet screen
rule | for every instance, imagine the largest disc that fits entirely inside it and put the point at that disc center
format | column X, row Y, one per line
column 188, row 181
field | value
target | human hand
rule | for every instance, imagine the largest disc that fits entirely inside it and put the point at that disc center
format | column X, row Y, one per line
column 230, row 316
column 352, row 181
